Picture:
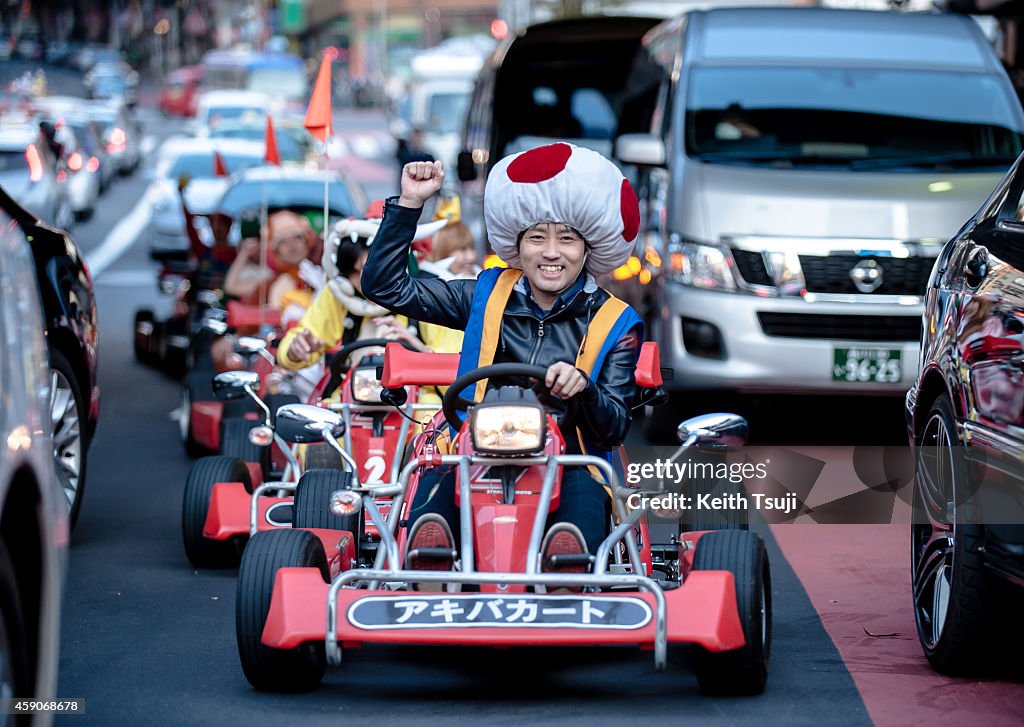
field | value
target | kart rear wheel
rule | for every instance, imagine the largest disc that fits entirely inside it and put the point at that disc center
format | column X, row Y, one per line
column 234, row 443
column 742, row 671
column 276, row 670
column 721, row 488
column 313, row 498
column 196, row 388
column 143, row 335
column 204, row 552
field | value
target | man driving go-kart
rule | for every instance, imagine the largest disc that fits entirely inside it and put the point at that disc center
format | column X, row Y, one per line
column 558, row 215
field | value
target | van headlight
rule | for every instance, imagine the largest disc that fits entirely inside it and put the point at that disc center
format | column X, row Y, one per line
column 508, row 430
column 366, row 386
column 701, row 266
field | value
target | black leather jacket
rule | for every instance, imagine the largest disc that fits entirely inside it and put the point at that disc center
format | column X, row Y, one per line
column 525, row 338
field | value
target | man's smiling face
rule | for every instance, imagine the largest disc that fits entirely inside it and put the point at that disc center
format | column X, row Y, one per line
column 552, row 255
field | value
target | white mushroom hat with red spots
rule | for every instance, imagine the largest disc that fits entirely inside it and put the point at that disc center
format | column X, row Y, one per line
column 568, row 184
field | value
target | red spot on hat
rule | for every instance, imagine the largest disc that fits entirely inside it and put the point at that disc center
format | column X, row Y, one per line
column 630, row 211
column 540, row 164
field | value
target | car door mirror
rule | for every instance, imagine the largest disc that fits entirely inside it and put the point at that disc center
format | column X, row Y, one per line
column 308, row 424
column 643, row 150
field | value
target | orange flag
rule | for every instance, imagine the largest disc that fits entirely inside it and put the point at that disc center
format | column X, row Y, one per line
column 220, row 169
column 318, row 115
column 270, row 156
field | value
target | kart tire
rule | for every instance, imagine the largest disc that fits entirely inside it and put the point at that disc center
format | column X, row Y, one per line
column 726, row 518
column 70, row 441
column 14, row 651
column 965, row 641
column 143, row 342
column 204, row 552
column 193, row 390
column 742, row 671
column 313, row 498
column 323, row 457
column 234, row 443
column 276, row 670
column 173, row 358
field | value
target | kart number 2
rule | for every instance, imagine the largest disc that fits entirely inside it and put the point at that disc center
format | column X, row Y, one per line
column 375, row 467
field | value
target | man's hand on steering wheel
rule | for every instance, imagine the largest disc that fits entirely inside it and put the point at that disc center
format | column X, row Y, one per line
column 565, row 380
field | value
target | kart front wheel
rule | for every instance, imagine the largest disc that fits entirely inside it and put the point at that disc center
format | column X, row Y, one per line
column 276, row 670
column 205, row 552
column 313, row 501
column 742, row 671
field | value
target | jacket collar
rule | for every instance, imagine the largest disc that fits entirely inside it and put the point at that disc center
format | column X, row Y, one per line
column 522, row 302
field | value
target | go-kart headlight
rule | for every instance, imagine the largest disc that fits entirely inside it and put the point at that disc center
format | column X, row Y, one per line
column 366, row 386
column 504, row 429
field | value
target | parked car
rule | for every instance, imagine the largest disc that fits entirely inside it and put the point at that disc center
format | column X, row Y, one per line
column 180, row 93
column 965, row 414
column 217, row 107
column 113, row 82
column 122, row 134
column 294, row 143
column 33, row 515
column 192, row 159
column 797, row 187
column 70, row 324
column 297, row 189
column 29, row 171
column 565, row 79
column 82, row 172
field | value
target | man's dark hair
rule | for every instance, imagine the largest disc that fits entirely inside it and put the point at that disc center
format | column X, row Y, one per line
column 348, row 255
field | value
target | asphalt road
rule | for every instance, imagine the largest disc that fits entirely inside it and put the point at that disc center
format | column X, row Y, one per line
column 148, row 640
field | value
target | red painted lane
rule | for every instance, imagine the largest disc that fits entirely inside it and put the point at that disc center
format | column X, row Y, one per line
column 858, row 578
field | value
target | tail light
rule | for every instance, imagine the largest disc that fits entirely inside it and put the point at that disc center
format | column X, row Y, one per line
column 93, row 164
column 117, row 140
column 35, row 164
column 75, row 162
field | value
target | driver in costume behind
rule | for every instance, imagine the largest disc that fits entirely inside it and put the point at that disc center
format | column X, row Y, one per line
column 558, row 215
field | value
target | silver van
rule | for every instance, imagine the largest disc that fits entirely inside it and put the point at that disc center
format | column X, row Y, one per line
column 803, row 168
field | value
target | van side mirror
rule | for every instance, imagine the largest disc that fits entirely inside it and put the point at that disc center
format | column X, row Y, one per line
column 466, row 166
column 644, row 150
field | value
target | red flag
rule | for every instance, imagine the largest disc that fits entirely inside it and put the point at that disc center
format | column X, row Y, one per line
column 270, row 156
column 220, row 169
column 318, row 115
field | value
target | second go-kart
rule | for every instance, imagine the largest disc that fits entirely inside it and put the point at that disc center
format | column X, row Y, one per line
column 228, row 498
column 304, row 593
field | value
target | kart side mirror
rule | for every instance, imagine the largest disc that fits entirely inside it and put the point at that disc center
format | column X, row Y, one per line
column 394, row 397
column 308, row 424
column 651, row 397
column 231, row 385
column 714, row 431
column 465, row 166
column 250, row 345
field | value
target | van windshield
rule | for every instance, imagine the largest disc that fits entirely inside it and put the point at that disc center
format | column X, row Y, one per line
column 859, row 118
column 446, row 112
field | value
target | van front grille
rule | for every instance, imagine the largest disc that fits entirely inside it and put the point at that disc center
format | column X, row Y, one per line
column 900, row 276
column 841, row 327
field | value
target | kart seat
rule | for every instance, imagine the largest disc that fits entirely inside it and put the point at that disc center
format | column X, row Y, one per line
column 243, row 315
column 403, row 367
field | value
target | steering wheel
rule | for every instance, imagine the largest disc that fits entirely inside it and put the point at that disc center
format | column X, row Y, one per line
column 453, row 402
column 338, row 359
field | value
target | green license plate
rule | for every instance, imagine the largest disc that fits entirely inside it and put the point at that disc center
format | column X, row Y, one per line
column 867, row 365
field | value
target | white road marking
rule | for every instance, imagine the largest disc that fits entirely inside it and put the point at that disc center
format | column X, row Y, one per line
column 137, row 278
column 122, row 237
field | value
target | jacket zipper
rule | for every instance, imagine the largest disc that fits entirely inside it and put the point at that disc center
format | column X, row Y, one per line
column 536, row 346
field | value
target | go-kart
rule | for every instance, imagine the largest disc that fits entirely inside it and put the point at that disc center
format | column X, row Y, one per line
column 228, row 498
column 304, row 593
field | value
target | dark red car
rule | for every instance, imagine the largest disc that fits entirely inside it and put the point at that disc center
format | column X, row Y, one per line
column 180, row 93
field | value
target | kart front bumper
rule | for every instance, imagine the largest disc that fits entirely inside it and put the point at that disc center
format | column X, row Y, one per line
column 701, row 611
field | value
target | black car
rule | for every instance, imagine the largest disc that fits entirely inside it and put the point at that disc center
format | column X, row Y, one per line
column 69, row 309
column 965, row 416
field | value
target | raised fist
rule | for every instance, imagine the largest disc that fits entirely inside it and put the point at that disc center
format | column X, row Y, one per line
column 420, row 181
